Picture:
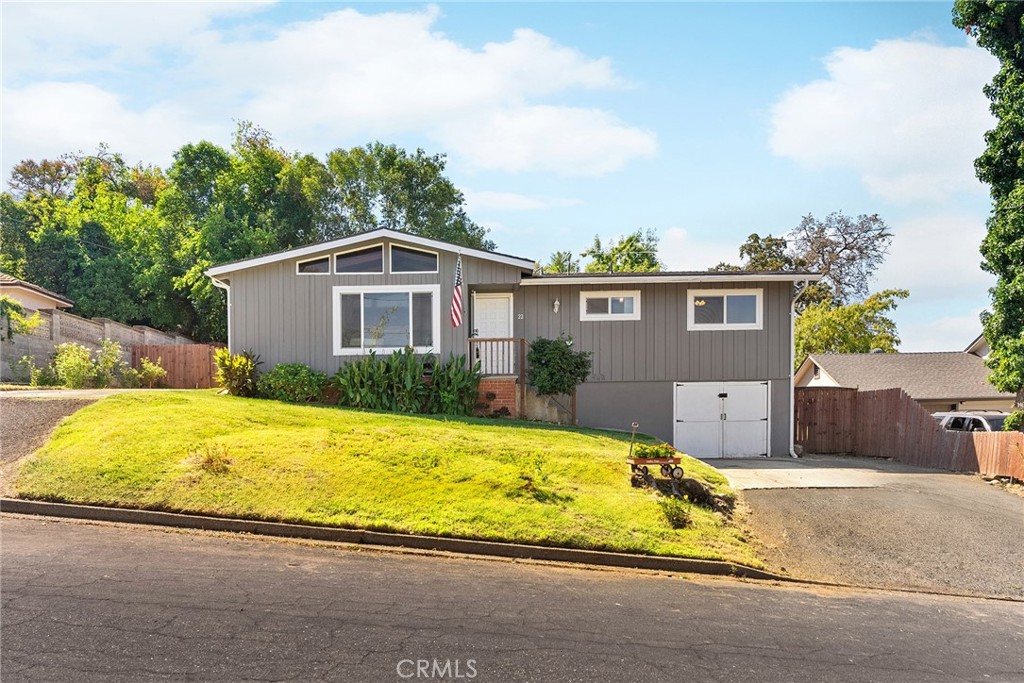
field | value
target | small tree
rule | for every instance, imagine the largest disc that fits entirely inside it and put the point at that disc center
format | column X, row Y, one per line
column 856, row 328
column 555, row 368
column 13, row 320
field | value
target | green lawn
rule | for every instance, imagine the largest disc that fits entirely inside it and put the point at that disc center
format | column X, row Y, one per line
column 195, row 451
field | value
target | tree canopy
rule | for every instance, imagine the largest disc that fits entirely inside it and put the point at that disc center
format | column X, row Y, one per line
column 859, row 327
column 636, row 253
column 132, row 243
column 999, row 28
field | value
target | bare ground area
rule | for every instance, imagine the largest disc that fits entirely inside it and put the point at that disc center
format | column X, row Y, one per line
column 26, row 424
column 893, row 526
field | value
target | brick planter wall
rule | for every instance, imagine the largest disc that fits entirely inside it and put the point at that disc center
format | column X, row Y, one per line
column 498, row 397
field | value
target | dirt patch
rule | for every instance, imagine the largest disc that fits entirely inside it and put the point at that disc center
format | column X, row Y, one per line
column 25, row 425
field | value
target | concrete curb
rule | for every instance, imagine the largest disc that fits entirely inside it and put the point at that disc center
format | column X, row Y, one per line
column 322, row 533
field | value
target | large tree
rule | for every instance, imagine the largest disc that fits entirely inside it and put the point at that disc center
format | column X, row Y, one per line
column 999, row 28
column 845, row 250
column 562, row 262
column 636, row 252
column 859, row 327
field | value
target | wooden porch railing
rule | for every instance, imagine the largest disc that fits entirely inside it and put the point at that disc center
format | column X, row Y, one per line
column 499, row 355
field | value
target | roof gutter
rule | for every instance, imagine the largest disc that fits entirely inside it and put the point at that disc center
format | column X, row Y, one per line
column 792, row 362
column 227, row 288
column 654, row 279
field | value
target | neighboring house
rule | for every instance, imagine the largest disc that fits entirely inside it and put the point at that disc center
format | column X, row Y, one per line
column 702, row 360
column 939, row 381
column 32, row 297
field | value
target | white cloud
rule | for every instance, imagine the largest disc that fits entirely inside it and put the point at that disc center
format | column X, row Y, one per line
column 951, row 333
column 342, row 78
column 487, row 200
column 936, row 257
column 907, row 115
column 61, row 39
column 679, row 250
column 46, row 120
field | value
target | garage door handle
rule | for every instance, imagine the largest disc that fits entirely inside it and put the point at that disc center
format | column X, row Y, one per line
column 723, row 396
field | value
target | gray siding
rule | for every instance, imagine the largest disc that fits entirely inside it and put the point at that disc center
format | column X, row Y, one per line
column 287, row 318
column 636, row 362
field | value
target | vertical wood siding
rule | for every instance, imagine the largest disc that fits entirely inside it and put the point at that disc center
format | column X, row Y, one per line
column 658, row 347
column 288, row 318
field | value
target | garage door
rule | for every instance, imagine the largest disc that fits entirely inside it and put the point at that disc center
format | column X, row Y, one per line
column 721, row 419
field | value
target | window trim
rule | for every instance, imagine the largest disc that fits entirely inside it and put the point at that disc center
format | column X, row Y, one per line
column 391, row 260
column 363, row 247
column 608, row 294
column 435, row 316
column 330, row 264
column 693, row 294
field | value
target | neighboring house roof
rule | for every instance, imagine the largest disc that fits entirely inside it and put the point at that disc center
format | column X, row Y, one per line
column 671, row 276
column 924, row 376
column 9, row 282
column 221, row 269
column 979, row 347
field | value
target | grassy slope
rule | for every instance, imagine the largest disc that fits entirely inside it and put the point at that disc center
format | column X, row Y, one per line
column 469, row 478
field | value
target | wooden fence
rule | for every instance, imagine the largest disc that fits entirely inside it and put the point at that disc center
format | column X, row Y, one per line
column 188, row 366
column 888, row 423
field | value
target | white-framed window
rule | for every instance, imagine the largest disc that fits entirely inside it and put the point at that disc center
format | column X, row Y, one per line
column 360, row 261
column 386, row 319
column 321, row 265
column 605, row 305
column 409, row 260
column 724, row 309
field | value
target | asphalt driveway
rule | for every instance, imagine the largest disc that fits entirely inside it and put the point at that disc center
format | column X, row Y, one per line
column 873, row 522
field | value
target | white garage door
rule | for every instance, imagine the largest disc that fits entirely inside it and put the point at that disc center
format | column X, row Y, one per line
column 721, row 419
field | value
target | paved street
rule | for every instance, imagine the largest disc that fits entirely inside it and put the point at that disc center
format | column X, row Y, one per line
column 86, row 602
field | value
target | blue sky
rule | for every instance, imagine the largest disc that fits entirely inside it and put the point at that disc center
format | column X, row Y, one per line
column 703, row 122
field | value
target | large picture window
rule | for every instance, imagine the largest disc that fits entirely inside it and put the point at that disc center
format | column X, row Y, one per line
column 724, row 309
column 385, row 319
column 598, row 305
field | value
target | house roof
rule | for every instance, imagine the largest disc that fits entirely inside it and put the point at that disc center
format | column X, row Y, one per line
column 671, row 276
column 924, row 376
column 298, row 252
column 11, row 281
column 977, row 346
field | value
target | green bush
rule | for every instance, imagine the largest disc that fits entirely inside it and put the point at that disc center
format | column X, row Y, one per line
column 294, row 382
column 150, row 374
column 554, row 368
column 237, row 372
column 677, row 512
column 1014, row 421
column 129, row 378
column 396, row 383
column 454, row 387
column 108, row 364
column 72, row 363
column 37, row 377
column 659, row 450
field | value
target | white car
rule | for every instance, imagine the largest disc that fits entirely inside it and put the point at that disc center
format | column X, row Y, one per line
column 980, row 421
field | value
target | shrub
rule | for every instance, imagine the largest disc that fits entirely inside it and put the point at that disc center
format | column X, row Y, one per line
column 129, row 378
column 676, row 512
column 1014, row 421
column 237, row 372
column 37, row 377
column 150, row 374
column 295, row 382
column 659, row 450
column 108, row 364
column 396, row 383
column 73, row 365
column 454, row 387
column 554, row 368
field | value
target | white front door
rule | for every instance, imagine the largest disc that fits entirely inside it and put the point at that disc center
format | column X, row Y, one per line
column 492, row 319
column 721, row 419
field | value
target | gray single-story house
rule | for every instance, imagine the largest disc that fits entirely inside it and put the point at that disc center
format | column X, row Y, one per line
column 702, row 360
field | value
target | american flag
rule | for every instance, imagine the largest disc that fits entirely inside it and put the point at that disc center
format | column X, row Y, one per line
column 457, row 295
